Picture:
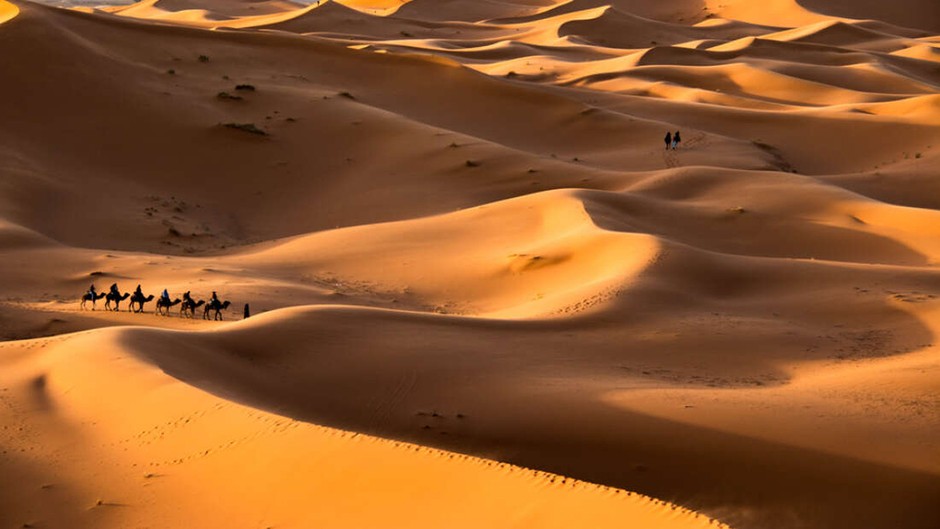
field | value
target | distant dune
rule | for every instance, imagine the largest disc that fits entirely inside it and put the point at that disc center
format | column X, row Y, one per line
column 483, row 291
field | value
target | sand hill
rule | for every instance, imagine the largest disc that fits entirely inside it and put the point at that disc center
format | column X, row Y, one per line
column 483, row 292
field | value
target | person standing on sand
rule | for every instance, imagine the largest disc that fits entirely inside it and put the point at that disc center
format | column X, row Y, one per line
column 675, row 140
column 668, row 140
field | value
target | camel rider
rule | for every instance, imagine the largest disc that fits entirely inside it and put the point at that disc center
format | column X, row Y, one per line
column 186, row 297
column 138, row 293
column 215, row 299
column 114, row 290
column 165, row 295
column 92, row 292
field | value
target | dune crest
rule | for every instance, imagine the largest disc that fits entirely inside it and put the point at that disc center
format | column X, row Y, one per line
column 213, row 18
column 554, row 257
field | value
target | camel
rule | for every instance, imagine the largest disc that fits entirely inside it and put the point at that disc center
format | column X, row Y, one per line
column 116, row 298
column 217, row 307
column 189, row 306
column 163, row 305
column 93, row 298
column 139, row 300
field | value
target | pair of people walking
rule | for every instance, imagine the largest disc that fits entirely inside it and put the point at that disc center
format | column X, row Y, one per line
column 672, row 140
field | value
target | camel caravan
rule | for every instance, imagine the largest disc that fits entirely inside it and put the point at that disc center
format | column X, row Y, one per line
column 188, row 305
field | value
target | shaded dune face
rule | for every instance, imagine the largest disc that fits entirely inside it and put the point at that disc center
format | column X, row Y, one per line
column 484, row 292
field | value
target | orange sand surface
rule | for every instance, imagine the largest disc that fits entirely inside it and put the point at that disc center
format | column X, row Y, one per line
column 483, row 294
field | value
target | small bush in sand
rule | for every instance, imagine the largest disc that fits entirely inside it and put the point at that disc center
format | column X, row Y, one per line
column 472, row 163
column 171, row 72
column 225, row 96
column 246, row 127
column 203, row 58
column 347, row 95
column 245, row 87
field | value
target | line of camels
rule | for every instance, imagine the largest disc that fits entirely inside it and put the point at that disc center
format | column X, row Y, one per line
column 188, row 305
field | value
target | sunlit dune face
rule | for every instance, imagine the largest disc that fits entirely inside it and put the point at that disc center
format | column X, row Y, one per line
column 7, row 11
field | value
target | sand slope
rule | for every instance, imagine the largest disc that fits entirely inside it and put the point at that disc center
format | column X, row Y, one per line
column 468, row 255
column 131, row 441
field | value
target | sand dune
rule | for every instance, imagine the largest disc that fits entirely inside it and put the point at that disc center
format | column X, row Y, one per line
column 554, row 257
column 925, row 109
column 837, row 34
column 469, row 10
column 182, row 447
column 483, row 293
column 918, row 14
column 219, row 14
column 924, row 52
column 624, row 30
column 778, row 13
column 7, row 11
column 528, row 399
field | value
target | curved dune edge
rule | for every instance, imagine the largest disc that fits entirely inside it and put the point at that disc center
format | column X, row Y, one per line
column 772, row 12
column 207, row 18
column 374, row 7
column 7, row 11
column 554, row 259
column 123, row 444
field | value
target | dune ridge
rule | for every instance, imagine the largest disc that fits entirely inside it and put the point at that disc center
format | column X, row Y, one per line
column 480, row 284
